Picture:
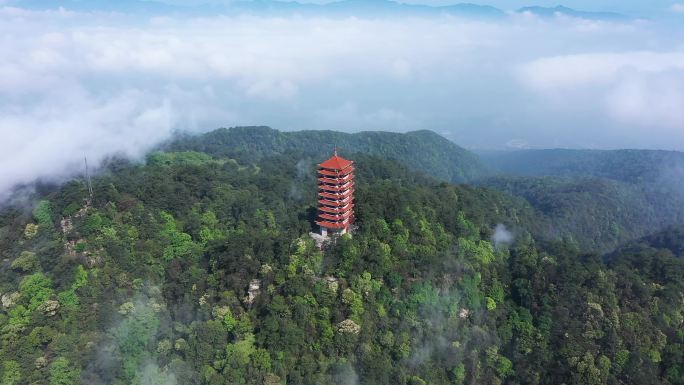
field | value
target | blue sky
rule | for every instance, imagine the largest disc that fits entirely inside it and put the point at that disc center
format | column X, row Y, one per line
column 76, row 83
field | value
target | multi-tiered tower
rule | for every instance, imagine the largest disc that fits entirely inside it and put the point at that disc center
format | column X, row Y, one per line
column 335, row 195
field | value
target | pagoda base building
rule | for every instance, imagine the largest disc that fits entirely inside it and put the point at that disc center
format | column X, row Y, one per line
column 335, row 196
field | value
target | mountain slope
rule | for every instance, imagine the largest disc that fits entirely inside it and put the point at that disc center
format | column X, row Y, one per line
column 602, row 197
column 633, row 166
column 420, row 150
column 670, row 239
column 198, row 270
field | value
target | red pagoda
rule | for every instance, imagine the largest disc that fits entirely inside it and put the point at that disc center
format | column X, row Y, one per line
column 335, row 195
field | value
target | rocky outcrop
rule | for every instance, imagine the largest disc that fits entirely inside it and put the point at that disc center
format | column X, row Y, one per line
column 9, row 299
column 49, row 308
column 253, row 291
column 348, row 326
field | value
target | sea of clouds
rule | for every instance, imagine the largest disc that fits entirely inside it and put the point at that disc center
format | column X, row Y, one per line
column 95, row 84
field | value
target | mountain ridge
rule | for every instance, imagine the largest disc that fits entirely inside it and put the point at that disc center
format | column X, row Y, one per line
column 447, row 160
column 375, row 8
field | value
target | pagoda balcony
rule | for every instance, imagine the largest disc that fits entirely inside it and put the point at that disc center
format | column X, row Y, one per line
column 343, row 187
column 333, row 225
column 339, row 203
column 336, row 210
column 347, row 193
column 336, row 174
column 335, row 218
column 346, row 179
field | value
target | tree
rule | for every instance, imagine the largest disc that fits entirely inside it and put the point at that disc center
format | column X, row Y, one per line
column 11, row 373
column 63, row 373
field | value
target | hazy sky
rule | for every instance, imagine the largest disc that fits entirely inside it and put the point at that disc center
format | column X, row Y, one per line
column 75, row 84
column 650, row 8
column 639, row 6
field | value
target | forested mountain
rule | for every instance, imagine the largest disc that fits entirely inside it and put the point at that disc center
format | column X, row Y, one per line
column 670, row 239
column 602, row 198
column 632, row 166
column 197, row 268
column 578, row 203
column 419, row 150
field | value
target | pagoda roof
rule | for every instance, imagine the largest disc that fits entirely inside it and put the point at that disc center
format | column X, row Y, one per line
column 336, row 162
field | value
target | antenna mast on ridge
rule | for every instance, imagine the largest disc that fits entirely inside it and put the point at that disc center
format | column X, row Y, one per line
column 88, row 181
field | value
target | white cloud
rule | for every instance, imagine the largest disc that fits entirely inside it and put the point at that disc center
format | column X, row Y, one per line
column 677, row 8
column 75, row 84
column 571, row 71
column 633, row 88
column 649, row 100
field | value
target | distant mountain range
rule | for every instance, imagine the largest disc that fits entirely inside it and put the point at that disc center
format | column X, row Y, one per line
column 569, row 12
column 376, row 8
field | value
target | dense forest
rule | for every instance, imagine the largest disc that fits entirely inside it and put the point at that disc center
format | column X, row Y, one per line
column 422, row 151
column 607, row 197
column 196, row 267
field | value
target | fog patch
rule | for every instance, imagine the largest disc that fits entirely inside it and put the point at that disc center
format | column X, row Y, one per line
column 501, row 236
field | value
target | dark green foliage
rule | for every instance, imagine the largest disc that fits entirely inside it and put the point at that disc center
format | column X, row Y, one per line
column 419, row 150
column 197, row 269
column 603, row 197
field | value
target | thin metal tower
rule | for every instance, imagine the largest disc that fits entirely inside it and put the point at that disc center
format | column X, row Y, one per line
column 88, row 181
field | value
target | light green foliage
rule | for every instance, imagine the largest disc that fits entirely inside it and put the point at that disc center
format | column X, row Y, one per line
column 27, row 261
column 229, row 321
column 30, row 230
column 366, row 285
column 164, row 347
column 80, row 278
column 266, row 218
column 43, row 213
column 654, row 356
column 36, row 289
column 179, row 244
column 63, row 373
column 210, row 227
column 480, row 251
column 133, row 335
column 11, row 373
column 238, row 353
column 306, row 260
column 424, row 294
column 471, row 294
column 459, row 373
column 491, row 304
column 502, row 365
column 19, row 318
column 355, row 303
column 621, row 358
column 186, row 158
column 68, row 299
column 94, row 223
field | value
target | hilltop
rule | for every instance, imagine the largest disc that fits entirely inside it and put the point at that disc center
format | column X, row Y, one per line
column 423, row 151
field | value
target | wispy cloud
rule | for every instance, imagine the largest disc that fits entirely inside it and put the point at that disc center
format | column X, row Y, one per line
column 678, row 8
